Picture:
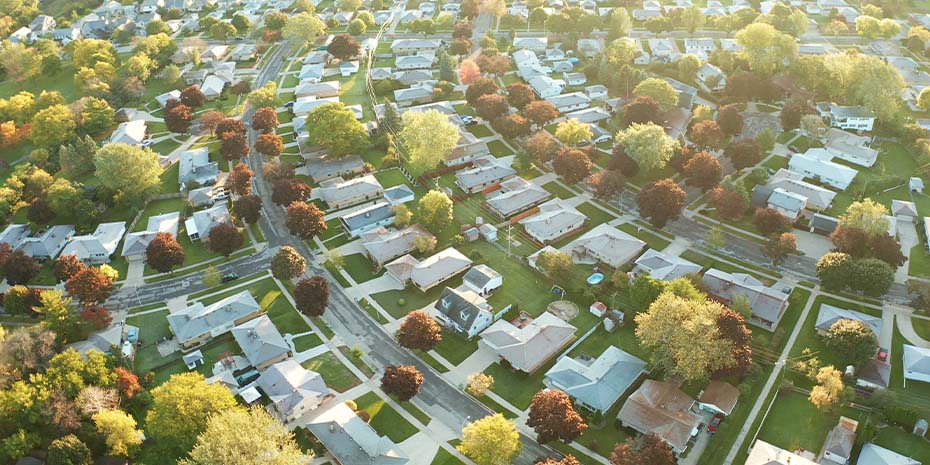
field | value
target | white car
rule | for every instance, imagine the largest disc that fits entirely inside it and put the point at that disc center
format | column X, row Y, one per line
column 604, row 138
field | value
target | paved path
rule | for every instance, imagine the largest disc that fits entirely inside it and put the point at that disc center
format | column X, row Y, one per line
column 907, row 234
column 380, row 284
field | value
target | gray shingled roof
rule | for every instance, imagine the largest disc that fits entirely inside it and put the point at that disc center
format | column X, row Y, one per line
column 260, row 340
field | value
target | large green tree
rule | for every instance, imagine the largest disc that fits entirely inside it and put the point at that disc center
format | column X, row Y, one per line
column 428, row 138
column 303, row 28
column 435, row 210
column 334, row 127
column 492, row 440
column 131, row 173
column 853, row 340
column 648, row 144
column 245, row 437
column 765, row 48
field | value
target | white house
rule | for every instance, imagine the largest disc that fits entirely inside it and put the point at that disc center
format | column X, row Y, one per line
column 605, row 244
column 463, row 311
column 847, row 117
column 555, row 219
column 916, row 364
column 570, row 102
column 482, row 279
column 96, row 248
column 816, row 164
column 535, row 44
column 414, row 62
column 712, row 77
column 130, row 132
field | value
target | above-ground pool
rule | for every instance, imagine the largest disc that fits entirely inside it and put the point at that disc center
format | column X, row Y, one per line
column 595, row 278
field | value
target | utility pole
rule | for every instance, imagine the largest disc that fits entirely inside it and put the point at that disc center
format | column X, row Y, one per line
column 509, row 237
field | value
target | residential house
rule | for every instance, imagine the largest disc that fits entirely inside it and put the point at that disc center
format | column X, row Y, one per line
column 789, row 204
column 402, row 47
column 339, row 193
column 374, row 216
column 200, row 224
column 167, row 96
column 596, row 384
column 576, row 79
column 874, row 374
column 47, row 244
column 829, row 315
column 303, row 106
column 118, row 336
column 468, row 149
column 662, row 409
column 14, row 234
column 840, row 440
column 528, row 343
column 533, row 44
column 132, row 133
column 348, row 68
column 916, row 364
column 311, row 72
column 569, row 102
column 516, row 195
column 20, row 36
column 847, row 117
column 243, row 52
column 41, row 25
column 96, row 248
column 322, row 166
column 589, row 116
column 485, row 173
column 214, row 53
column 554, row 219
column 66, row 35
column 605, row 244
column 816, row 164
column 666, row 267
column 700, row 47
column 711, row 77
column 763, row 453
column 136, row 243
column 292, row 389
column 414, row 77
column 718, row 397
column 904, row 210
column 261, row 342
column 546, row 87
column 414, row 62
column 768, row 305
column 380, row 74
column 850, row 147
column 662, row 47
column 383, row 245
column 319, row 90
column 399, row 195
column 482, row 279
column 212, row 87
column 872, row 454
column 208, row 195
column 589, row 47
column 817, row 197
column 415, row 95
column 463, row 311
column 643, row 14
column 195, row 168
column 317, row 57
column 199, row 323
column 528, row 65
column 686, row 93
column 431, row 271
column 352, row 441
column 596, row 92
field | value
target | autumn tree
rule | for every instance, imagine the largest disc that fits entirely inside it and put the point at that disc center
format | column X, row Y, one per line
column 643, row 449
column 641, row 110
column 660, row 91
column 127, row 383
column 228, row 125
column 334, row 127
column 468, row 71
column 210, row 119
column 98, row 317
column 289, row 190
column 478, row 384
column 344, row 47
column 608, row 184
column 769, row 221
column 225, row 238
column 305, row 220
column 661, row 201
column 706, row 135
column 132, row 173
column 288, row 263
column 648, row 145
column 519, row 95
column 312, row 295
column 402, row 381
column 552, row 415
column 743, row 153
column 303, row 28
column 193, row 97
column 778, row 246
column 66, row 266
column 480, row 86
column 866, row 215
column 245, row 437
column 765, row 48
column 68, row 450
column 178, row 118
column 90, row 286
column 541, row 147
column 491, row 440
column 540, row 112
column 239, row 181
column 164, row 253
column 728, row 204
column 181, row 409
column 703, row 171
column 265, row 119
column 119, row 432
column 491, row 106
column 419, row 331
column 269, row 145
column 829, row 388
column 620, row 161
column 572, row 165
column 511, row 126
column 730, row 119
column 234, row 146
column 733, row 331
column 853, row 340
column 435, row 210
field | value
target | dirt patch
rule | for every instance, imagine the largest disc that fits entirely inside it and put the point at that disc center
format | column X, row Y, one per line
column 563, row 309
column 754, row 122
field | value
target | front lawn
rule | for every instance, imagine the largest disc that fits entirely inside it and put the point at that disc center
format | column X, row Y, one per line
column 517, row 387
column 918, row 263
column 653, row 240
column 794, row 423
column 159, row 207
column 595, row 215
column 337, row 376
column 480, row 130
column 152, row 328
column 904, row 443
column 306, row 342
column 499, row 149
column 455, row 348
column 384, row 419
column 359, row 268
column 557, row 190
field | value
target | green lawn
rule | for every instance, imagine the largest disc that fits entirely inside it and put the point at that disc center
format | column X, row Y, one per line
column 390, row 178
column 359, row 268
column 455, row 348
column 905, row 443
column 499, row 149
column 918, row 263
column 707, row 262
column 776, row 163
column 152, row 328
column 465, row 109
column 306, row 342
column 595, row 215
column 921, row 327
column 384, row 419
column 517, row 387
column 653, row 240
column 61, row 81
column 169, row 180
column 443, row 457
column 337, row 376
column 480, row 130
column 794, row 423
column 557, row 190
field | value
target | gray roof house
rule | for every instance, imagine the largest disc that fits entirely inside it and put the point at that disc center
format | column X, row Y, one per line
column 789, row 204
column 485, row 172
column 47, row 244
column 261, row 342
column 431, row 271
column 351, row 441
column 14, row 234
column 318, row 89
column 136, row 243
column 339, row 193
column 199, row 323
column 663, row 266
column 200, row 224
column 292, row 389
column 482, row 279
column 916, row 364
column 528, row 346
column 719, row 397
column 384, row 245
column 463, row 311
column 596, row 384
column 555, row 219
column 195, row 166
column 605, row 244
column 829, row 315
column 840, row 440
column 516, row 195
column 130, row 132
column 817, row 197
column 877, row 455
column 768, row 305
column 368, row 218
column 96, row 248
column 663, row 409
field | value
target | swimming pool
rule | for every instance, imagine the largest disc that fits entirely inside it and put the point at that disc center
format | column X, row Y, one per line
column 595, row 278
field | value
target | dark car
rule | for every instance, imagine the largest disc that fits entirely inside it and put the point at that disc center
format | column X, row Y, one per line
column 882, row 355
column 714, row 423
column 230, row 277
column 289, row 104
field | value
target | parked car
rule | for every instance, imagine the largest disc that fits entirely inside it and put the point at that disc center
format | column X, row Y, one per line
column 603, row 138
column 714, row 423
column 468, row 120
column 230, row 277
column 882, row 355
column 289, row 104
column 147, row 143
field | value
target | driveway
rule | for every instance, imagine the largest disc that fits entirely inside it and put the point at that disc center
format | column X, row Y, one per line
column 907, row 234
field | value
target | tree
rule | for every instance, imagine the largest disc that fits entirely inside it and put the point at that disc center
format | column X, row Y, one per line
column 248, row 208
column 480, row 86
column 303, row 28
column 923, row 100
column 730, row 120
column 344, row 47
column 643, row 449
column 269, row 145
column 234, row 146
column 66, row 266
column 222, row 31
column 829, row 388
column 491, row 106
column 289, row 190
column 127, row 382
column 132, row 173
column 641, row 110
column 59, row 318
column 265, row 119
column 357, row 27
column 729, row 205
column 608, row 184
column 731, row 326
column 245, row 437
column 540, row 112
column 96, row 116
column 553, row 417
column 765, row 48
column 229, row 125
column 492, row 440
column 210, row 119
column 225, row 239
column 119, row 432
column 519, row 95
column 53, row 126
column 140, row 66
column 193, row 97
column 239, row 181
column 769, row 221
column 779, row 245
column 832, row 270
column 435, row 210
column 706, row 135
column 813, row 126
column 305, row 220
column 572, row 165
column 867, row 216
column 692, row 18
column 478, row 384
column 683, row 337
column 572, row 132
column 887, row 249
column 90, row 286
column 853, row 340
column 178, row 117
column 743, row 153
column 428, row 137
column 288, row 263
column 648, row 145
column 468, row 71
column 68, row 450
column 703, row 170
column 871, row 276
column 181, row 409
column 555, row 265
column 275, row 20
column 312, row 295
column 419, row 331
column 661, row 201
column 402, row 381
column 620, row 161
column 660, row 91
column 511, row 126
column 39, row 212
column 212, row 277
column 424, row 26
column 164, row 253
column 541, row 147
column 688, row 66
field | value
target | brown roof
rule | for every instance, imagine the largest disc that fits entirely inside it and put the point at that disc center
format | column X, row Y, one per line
column 662, row 409
column 721, row 395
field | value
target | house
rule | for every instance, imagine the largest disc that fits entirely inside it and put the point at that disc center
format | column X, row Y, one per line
column 516, row 195
column 380, row 74
column 414, row 62
column 768, row 305
column 850, row 147
column 534, row 44
column 399, row 195
column 712, row 77
column 131, row 132
column 872, row 454
column 664, row 410
column 414, row 95
column 468, row 149
column 292, row 389
column 589, row 47
column 96, row 248
column 916, row 185
column 322, row 166
column 787, row 203
column 243, row 52
column 874, row 374
column 605, row 244
column 319, row 90
column 47, row 244
column 136, row 243
column 816, row 164
column 829, row 315
column 14, row 234
column 596, row 384
column 718, row 397
column 352, row 441
column 339, row 193
column 596, row 92
column 207, row 195
column 311, row 72
column 368, row 218
column 763, row 453
column 195, row 168
column 430, row 272
column 589, row 116
column 546, row 87
column 488, row 232
column 569, row 102
column 641, row 14
column 482, row 279
column 401, row 47
column 104, row 341
column 261, row 342
column 42, row 25
column 303, row 106
column 317, row 57
column 686, row 93
column 66, row 35
column 214, row 53
column 838, row 447
column 348, row 68
column 576, row 79
column 167, row 96
column 662, row 47
column 383, row 245
column 463, row 311
column 414, row 77
column 661, row 265
column 200, row 224
column 916, row 364
column 817, row 197
column 199, row 323
column 847, row 117
column 904, row 210
column 212, row 87
column 485, row 173
column 554, row 219
column 528, row 346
